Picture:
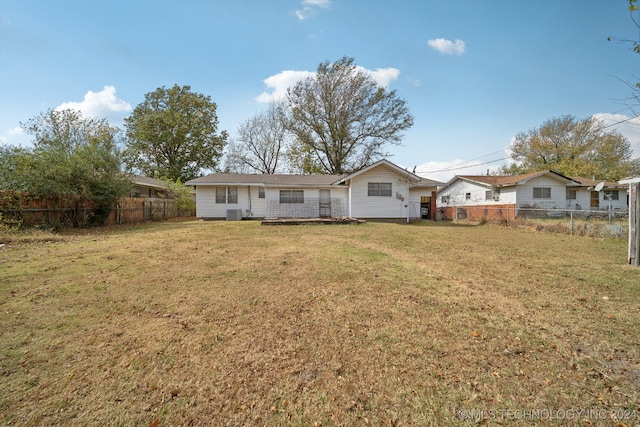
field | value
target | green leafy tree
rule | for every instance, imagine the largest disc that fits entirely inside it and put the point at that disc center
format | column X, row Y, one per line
column 73, row 156
column 573, row 147
column 183, row 196
column 173, row 134
column 344, row 117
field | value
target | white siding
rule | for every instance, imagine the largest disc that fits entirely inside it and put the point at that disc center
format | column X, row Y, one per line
column 458, row 190
column 365, row 206
column 256, row 203
column 311, row 206
column 206, row 206
column 584, row 200
column 558, row 199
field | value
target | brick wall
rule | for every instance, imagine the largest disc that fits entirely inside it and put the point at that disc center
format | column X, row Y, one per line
column 477, row 213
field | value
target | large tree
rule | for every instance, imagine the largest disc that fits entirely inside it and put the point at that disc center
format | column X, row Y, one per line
column 174, row 134
column 72, row 156
column 573, row 147
column 344, row 117
column 261, row 142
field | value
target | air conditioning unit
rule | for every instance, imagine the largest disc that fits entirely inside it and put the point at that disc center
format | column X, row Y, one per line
column 496, row 198
column 234, row 214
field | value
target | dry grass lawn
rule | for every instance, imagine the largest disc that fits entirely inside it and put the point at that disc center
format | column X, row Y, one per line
column 232, row 323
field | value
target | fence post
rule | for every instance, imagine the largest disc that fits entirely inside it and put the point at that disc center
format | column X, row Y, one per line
column 571, row 223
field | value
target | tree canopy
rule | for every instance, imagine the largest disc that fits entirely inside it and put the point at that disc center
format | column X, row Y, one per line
column 575, row 148
column 262, row 140
column 173, row 134
column 344, row 117
column 73, row 156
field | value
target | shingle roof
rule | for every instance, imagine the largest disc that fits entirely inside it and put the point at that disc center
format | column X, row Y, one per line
column 507, row 180
column 586, row 182
column 265, row 179
column 148, row 182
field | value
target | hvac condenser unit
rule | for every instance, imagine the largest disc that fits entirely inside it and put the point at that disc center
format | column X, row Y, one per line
column 234, row 214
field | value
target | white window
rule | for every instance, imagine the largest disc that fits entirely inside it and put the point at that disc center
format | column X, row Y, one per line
column 379, row 189
column 467, row 196
column 291, row 196
column 260, row 192
column 613, row 194
column 541, row 192
column 572, row 194
column 492, row 195
column 445, row 199
column 226, row 194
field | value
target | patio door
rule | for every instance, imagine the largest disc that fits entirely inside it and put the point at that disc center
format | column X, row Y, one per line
column 325, row 204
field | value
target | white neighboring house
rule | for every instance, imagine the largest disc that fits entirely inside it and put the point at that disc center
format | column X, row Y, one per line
column 588, row 198
column 537, row 193
column 382, row 190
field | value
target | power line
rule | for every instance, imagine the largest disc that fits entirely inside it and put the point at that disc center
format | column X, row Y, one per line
column 462, row 167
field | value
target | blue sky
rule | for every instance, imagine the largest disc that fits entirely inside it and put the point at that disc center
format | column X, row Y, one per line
column 473, row 72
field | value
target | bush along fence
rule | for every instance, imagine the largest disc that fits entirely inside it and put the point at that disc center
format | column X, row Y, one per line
column 23, row 210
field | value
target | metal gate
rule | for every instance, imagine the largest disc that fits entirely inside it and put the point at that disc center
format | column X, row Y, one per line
column 324, row 204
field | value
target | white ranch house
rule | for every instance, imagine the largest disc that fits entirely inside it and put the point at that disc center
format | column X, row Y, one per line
column 538, row 193
column 382, row 190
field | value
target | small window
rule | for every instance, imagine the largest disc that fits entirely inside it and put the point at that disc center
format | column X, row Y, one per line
column 291, row 196
column 226, row 194
column 379, row 189
column 445, row 199
column 613, row 194
column 491, row 194
column 541, row 192
column 260, row 192
column 467, row 196
column 572, row 194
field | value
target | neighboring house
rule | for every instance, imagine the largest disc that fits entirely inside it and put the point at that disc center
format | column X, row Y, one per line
column 587, row 197
column 147, row 187
column 532, row 194
column 380, row 191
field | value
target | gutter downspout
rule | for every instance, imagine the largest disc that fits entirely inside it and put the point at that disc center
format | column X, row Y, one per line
column 249, row 193
column 349, row 204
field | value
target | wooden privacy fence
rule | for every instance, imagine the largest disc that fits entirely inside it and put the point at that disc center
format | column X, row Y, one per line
column 66, row 212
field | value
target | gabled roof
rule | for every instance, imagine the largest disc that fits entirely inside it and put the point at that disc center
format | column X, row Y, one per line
column 303, row 180
column 586, row 182
column 496, row 181
column 265, row 179
column 417, row 181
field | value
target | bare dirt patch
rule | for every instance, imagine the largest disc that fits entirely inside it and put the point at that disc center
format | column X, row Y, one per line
column 231, row 323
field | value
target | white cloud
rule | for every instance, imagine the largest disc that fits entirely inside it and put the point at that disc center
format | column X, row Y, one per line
column 627, row 126
column 15, row 137
column 319, row 3
column 309, row 8
column 382, row 76
column 448, row 47
column 99, row 104
column 278, row 84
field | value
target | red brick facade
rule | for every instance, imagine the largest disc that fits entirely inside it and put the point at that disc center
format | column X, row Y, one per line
column 477, row 213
